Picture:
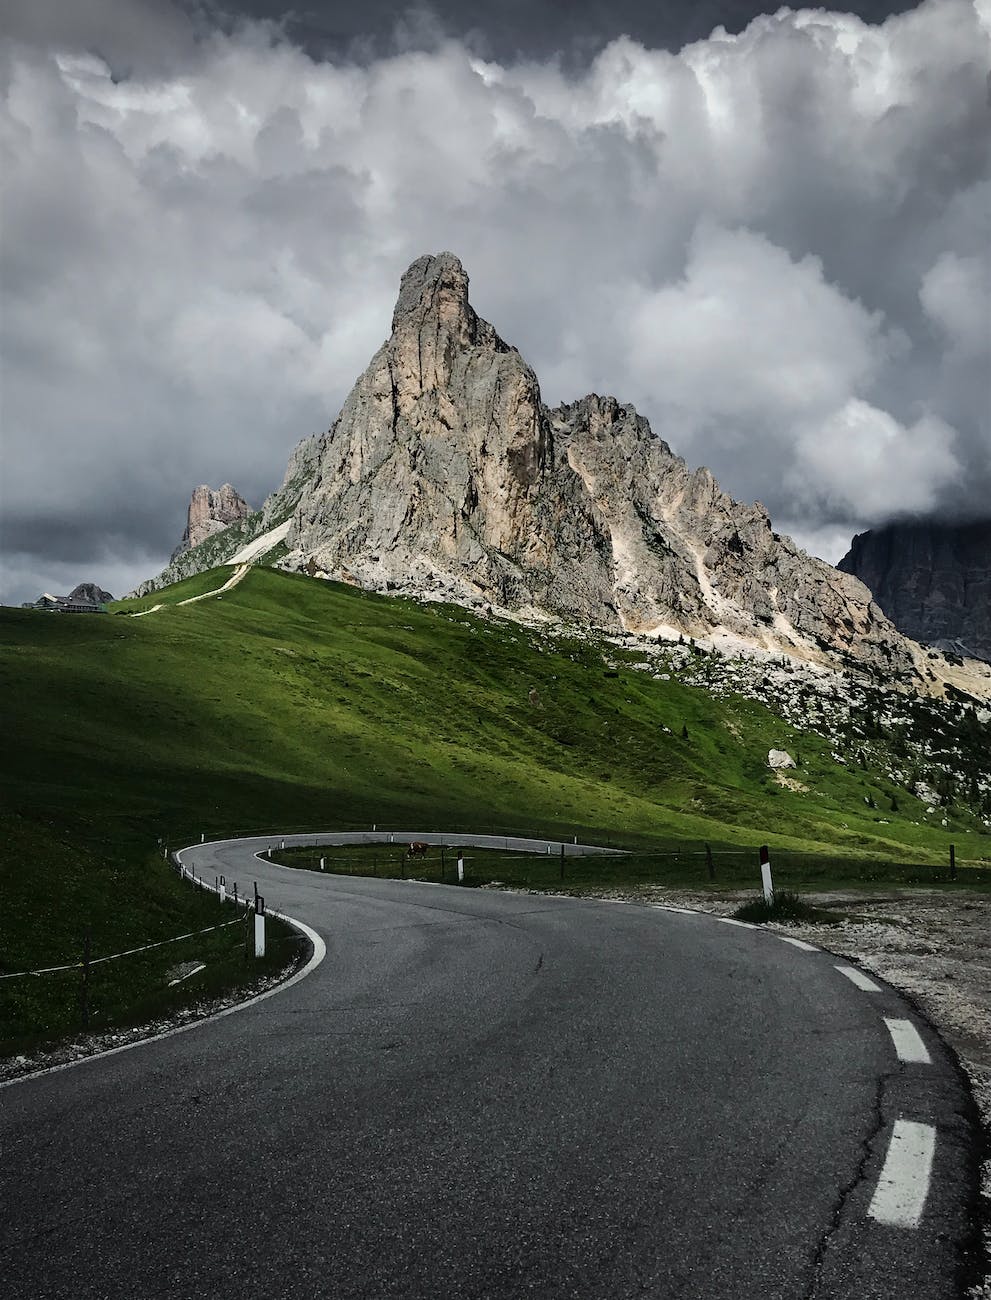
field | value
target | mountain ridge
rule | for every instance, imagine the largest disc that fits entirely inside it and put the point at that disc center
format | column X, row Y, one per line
column 933, row 580
column 446, row 476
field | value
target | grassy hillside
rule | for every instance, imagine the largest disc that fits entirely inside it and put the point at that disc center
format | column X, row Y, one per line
column 290, row 702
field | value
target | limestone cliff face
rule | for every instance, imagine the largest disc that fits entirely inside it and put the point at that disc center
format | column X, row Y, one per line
column 932, row 580
column 445, row 472
column 209, row 513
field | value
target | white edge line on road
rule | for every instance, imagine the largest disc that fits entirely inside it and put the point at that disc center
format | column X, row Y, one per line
column 744, row 925
column 319, row 952
column 859, row 978
column 682, row 911
column 909, row 1046
column 900, row 1196
column 798, row 943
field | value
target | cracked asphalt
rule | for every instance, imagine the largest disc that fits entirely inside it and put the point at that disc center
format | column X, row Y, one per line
column 480, row 1094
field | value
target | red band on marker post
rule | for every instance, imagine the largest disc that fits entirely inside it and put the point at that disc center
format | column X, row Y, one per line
column 765, row 855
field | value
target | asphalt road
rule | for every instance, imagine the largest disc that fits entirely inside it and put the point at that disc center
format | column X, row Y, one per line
column 479, row 1094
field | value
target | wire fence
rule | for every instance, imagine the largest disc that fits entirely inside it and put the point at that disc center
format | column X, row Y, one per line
column 115, row 956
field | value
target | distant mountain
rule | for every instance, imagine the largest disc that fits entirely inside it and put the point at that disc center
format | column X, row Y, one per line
column 445, row 476
column 209, row 513
column 932, row 580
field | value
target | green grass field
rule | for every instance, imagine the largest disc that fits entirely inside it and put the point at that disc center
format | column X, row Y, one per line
column 688, row 868
column 293, row 703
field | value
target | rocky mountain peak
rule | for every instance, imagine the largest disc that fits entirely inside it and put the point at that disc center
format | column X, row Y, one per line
column 933, row 580
column 91, row 591
column 209, row 513
column 445, row 475
column 435, row 286
column 445, row 472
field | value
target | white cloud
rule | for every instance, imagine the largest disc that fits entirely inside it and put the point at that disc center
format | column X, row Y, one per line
column 769, row 241
column 862, row 463
column 956, row 294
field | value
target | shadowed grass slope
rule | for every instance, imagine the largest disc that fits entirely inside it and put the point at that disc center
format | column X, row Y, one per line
column 289, row 702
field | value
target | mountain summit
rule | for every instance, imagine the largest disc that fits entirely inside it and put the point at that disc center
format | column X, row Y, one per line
column 445, row 472
column 445, row 475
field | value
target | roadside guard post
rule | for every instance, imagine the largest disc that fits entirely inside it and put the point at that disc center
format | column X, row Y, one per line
column 259, row 926
column 461, row 867
column 222, row 889
column 765, row 874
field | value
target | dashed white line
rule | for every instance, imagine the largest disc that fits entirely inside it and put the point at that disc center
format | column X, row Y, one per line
column 900, row 1196
column 798, row 943
column 859, row 978
column 908, row 1042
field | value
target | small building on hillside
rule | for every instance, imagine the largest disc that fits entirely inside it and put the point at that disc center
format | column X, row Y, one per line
column 87, row 598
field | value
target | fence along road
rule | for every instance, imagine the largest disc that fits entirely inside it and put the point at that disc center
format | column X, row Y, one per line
column 486, row 1094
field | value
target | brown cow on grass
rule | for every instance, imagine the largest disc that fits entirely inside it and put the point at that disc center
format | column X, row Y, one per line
column 417, row 849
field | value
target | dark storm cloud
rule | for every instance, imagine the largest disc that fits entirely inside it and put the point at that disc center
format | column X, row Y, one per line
column 575, row 30
column 771, row 242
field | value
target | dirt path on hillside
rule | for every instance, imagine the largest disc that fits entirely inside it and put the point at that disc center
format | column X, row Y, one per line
column 237, row 576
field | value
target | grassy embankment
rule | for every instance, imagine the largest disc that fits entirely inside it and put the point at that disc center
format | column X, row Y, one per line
column 688, row 868
column 290, row 702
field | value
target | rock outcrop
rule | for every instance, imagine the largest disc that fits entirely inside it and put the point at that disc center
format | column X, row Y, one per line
column 446, row 476
column 92, row 592
column 445, row 472
column 932, row 580
column 210, row 513
column 221, row 547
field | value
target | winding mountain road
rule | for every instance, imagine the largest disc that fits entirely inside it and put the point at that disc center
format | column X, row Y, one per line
column 479, row 1094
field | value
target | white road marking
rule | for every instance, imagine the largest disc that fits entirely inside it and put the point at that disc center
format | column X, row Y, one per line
column 682, row 911
column 729, row 920
column 859, row 978
column 798, row 943
column 195, row 971
column 900, row 1196
column 908, row 1042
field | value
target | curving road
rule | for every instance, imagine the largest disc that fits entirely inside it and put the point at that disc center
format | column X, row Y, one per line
column 479, row 1094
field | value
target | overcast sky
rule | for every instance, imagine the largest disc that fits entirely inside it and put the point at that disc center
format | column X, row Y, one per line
column 770, row 235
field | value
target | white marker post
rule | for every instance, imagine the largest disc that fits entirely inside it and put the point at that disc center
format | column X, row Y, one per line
column 259, row 926
column 323, row 863
column 270, row 850
column 461, row 868
column 282, row 844
column 222, row 889
column 765, row 874
column 202, row 837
